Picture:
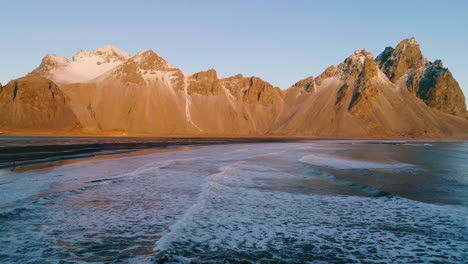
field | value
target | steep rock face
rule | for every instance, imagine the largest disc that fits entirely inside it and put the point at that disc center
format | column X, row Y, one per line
column 339, row 102
column 252, row 90
column 356, row 99
column 436, row 86
column 404, row 59
column 36, row 103
column 365, row 90
column 204, row 83
column 431, row 82
column 304, row 83
column 147, row 66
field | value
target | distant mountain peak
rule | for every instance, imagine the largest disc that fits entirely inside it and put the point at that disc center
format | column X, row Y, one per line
column 84, row 66
column 145, row 66
column 109, row 52
column 359, row 56
column 408, row 42
column 149, row 60
column 406, row 57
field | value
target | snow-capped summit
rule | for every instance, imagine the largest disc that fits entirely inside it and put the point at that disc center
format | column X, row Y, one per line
column 84, row 66
column 110, row 53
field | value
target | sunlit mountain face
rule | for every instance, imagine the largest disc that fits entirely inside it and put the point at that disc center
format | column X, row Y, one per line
column 107, row 92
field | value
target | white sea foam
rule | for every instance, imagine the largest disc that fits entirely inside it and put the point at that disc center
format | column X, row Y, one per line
column 239, row 219
column 419, row 144
column 337, row 162
column 175, row 229
column 244, row 203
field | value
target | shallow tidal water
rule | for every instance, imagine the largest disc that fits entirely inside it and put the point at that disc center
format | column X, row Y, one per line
column 302, row 202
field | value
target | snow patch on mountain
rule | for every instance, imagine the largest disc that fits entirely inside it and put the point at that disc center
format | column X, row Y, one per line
column 85, row 65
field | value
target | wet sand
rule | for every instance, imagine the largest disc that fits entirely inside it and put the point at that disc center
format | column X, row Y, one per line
column 24, row 151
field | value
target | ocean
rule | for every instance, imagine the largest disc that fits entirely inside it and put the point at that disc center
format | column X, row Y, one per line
column 314, row 201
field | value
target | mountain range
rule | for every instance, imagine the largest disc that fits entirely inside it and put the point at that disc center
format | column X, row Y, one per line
column 107, row 92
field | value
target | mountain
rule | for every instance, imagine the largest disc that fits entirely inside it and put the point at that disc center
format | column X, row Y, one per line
column 357, row 99
column 35, row 103
column 431, row 82
column 398, row 94
column 83, row 67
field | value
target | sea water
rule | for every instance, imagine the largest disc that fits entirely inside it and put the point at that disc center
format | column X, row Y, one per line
column 303, row 202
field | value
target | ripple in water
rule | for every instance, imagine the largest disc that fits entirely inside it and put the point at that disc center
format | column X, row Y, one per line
column 317, row 202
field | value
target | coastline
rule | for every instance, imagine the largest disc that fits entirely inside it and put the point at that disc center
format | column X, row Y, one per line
column 26, row 151
column 7, row 132
column 40, row 151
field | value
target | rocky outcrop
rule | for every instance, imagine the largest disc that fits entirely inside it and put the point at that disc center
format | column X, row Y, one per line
column 35, row 102
column 304, row 84
column 431, row 82
column 404, row 59
column 436, row 86
column 252, row 90
column 204, row 83
column 144, row 66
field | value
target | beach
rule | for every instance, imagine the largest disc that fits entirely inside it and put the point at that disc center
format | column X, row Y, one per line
column 307, row 201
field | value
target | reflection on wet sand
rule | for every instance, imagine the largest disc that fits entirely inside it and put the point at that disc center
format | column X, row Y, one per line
column 51, row 165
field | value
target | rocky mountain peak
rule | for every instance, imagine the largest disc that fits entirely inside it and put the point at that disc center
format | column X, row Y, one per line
column 359, row 56
column 438, row 63
column 404, row 59
column 104, row 54
column 49, row 64
column 436, row 86
column 52, row 59
column 354, row 65
column 85, row 65
column 385, row 54
column 204, row 83
column 145, row 66
column 149, row 60
column 305, row 84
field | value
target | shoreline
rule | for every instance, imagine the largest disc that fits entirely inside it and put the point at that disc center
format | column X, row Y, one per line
column 9, row 132
column 26, row 151
column 57, row 163
column 18, row 152
column 143, row 136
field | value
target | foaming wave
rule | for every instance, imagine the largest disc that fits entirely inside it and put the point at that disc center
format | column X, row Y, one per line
column 249, row 225
column 175, row 229
column 419, row 144
column 337, row 162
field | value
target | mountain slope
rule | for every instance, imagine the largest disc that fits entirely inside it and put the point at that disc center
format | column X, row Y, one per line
column 84, row 66
column 36, row 103
column 429, row 81
column 147, row 95
column 108, row 92
column 356, row 99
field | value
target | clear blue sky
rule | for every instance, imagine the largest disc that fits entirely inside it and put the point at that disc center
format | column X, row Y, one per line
column 279, row 41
